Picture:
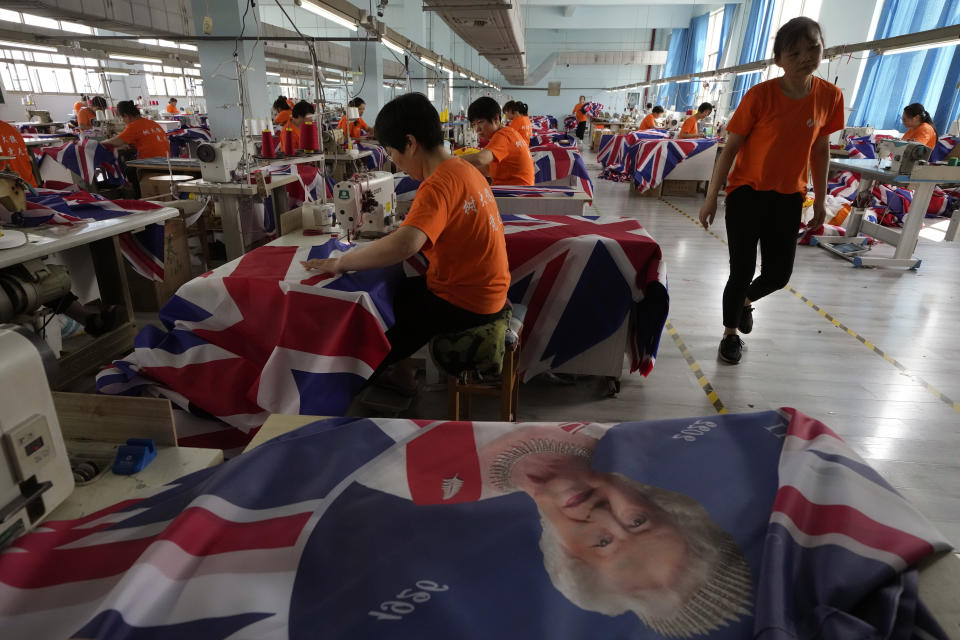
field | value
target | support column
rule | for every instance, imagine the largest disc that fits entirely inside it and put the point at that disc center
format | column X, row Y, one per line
column 367, row 57
column 217, row 67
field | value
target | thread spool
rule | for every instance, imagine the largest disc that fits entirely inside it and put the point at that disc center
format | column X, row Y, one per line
column 286, row 142
column 309, row 137
column 267, row 144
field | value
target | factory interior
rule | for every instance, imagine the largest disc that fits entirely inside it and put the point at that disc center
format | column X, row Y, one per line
column 465, row 319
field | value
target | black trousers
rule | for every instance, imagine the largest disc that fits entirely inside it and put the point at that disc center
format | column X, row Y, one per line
column 581, row 128
column 419, row 316
column 771, row 219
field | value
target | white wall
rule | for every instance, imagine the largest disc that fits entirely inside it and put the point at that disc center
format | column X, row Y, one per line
column 58, row 105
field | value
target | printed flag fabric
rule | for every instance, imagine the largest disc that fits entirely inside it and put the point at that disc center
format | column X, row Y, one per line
column 377, row 158
column 552, row 163
column 558, row 138
column 144, row 250
column 503, row 191
column 865, row 147
column 262, row 335
column 543, row 123
column 580, row 279
column 592, row 109
column 945, row 145
column 86, row 157
column 180, row 137
column 844, row 185
column 892, row 202
column 569, row 123
column 655, row 159
column 614, row 146
column 514, row 531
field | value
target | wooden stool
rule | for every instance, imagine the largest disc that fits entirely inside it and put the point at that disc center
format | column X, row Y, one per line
column 160, row 185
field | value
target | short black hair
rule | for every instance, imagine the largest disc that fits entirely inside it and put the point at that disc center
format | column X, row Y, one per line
column 706, row 106
column 302, row 109
column 484, row 108
column 658, row 109
column 795, row 31
column 173, row 99
column 649, row 104
column 99, row 103
column 409, row 114
column 281, row 104
column 127, row 108
column 356, row 102
column 509, row 105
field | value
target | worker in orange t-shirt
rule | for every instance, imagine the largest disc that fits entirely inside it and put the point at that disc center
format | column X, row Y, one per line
column 455, row 222
column 87, row 115
column 79, row 104
column 291, row 102
column 172, row 108
column 690, row 128
column 146, row 136
column 650, row 120
column 517, row 112
column 507, row 155
column 298, row 115
column 283, row 110
column 778, row 136
column 581, row 117
column 358, row 128
column 12, row 145
column 919, row 125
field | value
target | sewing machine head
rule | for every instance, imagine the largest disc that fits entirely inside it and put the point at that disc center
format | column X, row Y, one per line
column 218, row 160
column 13, row 192
column 42, row 116
column 333, row 141
column 903, row 155
column 854, row 132
column 366, row 204
column 35, row 473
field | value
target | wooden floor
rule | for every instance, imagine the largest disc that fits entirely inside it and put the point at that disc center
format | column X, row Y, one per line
column 795, row 357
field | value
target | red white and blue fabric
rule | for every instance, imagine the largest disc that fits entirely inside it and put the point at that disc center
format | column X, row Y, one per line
column 377, row 158
column 262, row 335
column 86, row 157
column 558, row 138
column 581, row 278
column 654, row 160
column 861, row 147
column 405, row 187
column 614, row 147
column 844, row 185
column 945, row 145
column 592, row 109
column 569, row 123
column 180, row 137
column 532, row 192
column 552, row 163
column 543, row 123
column 891, row 202
column 290, row 538
column 144, row 250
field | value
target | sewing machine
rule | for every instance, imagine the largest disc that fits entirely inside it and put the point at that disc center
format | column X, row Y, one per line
column 42, row 116
column 854, row 132
column 35, row 473
column 333, row 141
column 366, row 204
column 218, row 160
column 903, row 155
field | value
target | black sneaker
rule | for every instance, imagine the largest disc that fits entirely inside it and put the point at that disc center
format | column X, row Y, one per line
column 731, row 348
column 746, row 320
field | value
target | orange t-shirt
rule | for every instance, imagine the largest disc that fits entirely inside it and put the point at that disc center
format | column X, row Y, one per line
column 780, row 134
column 466, row 247
column 172, row 108
column 648, row 122
column 690, row 126
column 512, row 163
column 924, row 134
column 86, row 116
column 147, row 137
column 580, row 115
column 12, row 144
column 291, row 102
column 79, row 104
column 523, row 126
column 358, row 128
column 283, row 117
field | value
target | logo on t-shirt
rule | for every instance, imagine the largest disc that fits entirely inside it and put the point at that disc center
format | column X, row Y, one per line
column 815, row 123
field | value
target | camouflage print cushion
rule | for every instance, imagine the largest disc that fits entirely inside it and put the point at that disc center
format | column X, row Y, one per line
column 479, row 349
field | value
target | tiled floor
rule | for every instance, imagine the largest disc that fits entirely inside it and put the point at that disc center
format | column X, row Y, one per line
column 795, row 357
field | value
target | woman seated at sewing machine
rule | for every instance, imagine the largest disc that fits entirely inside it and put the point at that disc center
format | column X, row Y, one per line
column 517, row 112
column 284, row 111
column 146, row 136
column 87, row 115
column 298, row 115
column 13, row 146
column 455, row 222
column 507, row 154
column 650, row 120
column 919, row 125
column 358, row 128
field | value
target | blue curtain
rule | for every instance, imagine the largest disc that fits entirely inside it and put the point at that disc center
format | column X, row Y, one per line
column 728, row 12
column 929, row 77
column 684, row 55
column 754, row 46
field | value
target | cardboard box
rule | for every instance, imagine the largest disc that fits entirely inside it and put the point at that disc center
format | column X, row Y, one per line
column 649, row 193
column 149, row 295
column 680, row 187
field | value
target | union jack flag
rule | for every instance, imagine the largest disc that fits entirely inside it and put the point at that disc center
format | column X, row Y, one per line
column 655, row 159
column 86, row 158
column 180, row 137
column 569, row 123
column 144, row 250
column 562, row 267
column 280, row 338
column 944, row 146
column 822, row 547
column 861, row 147
column 592, row 109
column 614, row 146
column 377, row 158
column 552, row 163
column 844, row 185
column 531, row 192
column 553, row 137
column 543, row 123
column 890, row 202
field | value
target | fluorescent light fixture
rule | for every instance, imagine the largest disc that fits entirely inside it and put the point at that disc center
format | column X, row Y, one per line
column 428, row 61
column 920, row 47
column 463, row 75
column 196, row 64
column 746, row 73
column 189, row 47
column 21, row 45
column 329, row 15
column 271, row 73
column 151, row 41
column 392, row 46
column 473, row 79
column 115, row 73
column 117, row 56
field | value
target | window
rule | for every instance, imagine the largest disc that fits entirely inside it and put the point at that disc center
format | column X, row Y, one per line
column 10, row 16
column 40, row 21
column 431, row 93
column 75, row 28
column 711, row 56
